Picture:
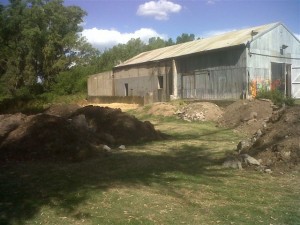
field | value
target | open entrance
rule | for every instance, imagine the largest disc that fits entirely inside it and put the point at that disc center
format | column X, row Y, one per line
column 160, row 88
column 281, row 77
column 126, row 89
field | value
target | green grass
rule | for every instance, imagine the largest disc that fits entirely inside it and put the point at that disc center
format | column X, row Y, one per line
column 174, row 181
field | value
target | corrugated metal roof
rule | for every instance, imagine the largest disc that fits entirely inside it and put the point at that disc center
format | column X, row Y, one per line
column 234, row 38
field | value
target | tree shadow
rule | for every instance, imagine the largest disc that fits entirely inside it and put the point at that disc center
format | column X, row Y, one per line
column 27, row 187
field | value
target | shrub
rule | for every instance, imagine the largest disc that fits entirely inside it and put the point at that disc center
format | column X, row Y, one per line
column 276, row 96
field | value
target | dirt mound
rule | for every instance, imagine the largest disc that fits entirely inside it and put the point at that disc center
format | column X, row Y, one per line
column 44, row 136
column 279, row 145
column 161, row 109
column 70, row 134
column 63, row 110
column 247, row 116
column 201, row 111
column 122, row 128
column 9, row 122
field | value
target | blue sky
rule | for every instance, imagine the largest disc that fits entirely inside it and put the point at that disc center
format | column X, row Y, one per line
column 110, row 22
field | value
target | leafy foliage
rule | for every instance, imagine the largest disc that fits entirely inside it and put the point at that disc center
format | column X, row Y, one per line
column 185, row 38
column 42, row 51
column 40, row 39
column 276, row 96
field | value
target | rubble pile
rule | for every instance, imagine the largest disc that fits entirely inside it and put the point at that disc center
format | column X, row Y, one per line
column 275, row 146
column 201, row 111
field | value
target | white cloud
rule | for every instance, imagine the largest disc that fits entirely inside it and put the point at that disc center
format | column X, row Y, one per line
column 160, row 9
column 104, row 39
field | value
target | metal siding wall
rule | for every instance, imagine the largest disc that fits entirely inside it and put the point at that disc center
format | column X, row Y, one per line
column 226, row 79
column 143, row 81
column 269, row 44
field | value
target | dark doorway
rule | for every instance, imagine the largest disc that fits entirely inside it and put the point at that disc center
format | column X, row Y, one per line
column 126, row 89
column 160, row 82
column 288, row 80
column 281, row 77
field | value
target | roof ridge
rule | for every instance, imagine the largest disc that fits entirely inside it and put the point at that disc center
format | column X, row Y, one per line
column 228, row 39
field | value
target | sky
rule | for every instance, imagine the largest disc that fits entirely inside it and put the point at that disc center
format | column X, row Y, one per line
column 110, row 22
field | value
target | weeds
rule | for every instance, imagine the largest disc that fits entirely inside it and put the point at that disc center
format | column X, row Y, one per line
column 276, row 96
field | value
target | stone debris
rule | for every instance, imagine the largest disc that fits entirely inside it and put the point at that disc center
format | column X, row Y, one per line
column 122, row 147
column 244, row 145
column 232, row 162
column 268, row 171
column 106, row 148
column 275, row 144
column 80, row 122
column 201, row 111
column 249, row 160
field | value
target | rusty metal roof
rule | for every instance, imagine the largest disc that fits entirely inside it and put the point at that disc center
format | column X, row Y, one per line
column 234, row 38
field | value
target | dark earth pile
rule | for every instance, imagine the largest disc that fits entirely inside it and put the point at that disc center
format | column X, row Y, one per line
column 67, row 133
column 279, row 145
column 272, row 135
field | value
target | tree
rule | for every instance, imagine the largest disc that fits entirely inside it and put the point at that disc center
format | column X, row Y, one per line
column 169, row 42
column 155, row 43
column 120, row 53
column 40, row 39
column 185, row 38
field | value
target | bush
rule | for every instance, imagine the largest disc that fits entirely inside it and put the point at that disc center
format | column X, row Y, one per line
column 276, row 96
column 71, row 82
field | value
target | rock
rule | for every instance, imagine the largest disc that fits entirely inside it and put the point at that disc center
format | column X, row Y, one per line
column 276, row 115
column 253, row 115
column 268, row 171
column 243, row 145
column 122, row 147
column 105, row 147
column 250, row 160
column 80, row 122
column 232, row 163
column 286, row 154
column 258, row 133
column 264, row 125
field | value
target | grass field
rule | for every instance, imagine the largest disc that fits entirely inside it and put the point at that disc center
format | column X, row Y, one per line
column 174, row 181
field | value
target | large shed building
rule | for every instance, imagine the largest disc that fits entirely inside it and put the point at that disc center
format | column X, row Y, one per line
column 228, row 66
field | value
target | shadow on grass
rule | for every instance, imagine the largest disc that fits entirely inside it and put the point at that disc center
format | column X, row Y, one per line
column 26, row 187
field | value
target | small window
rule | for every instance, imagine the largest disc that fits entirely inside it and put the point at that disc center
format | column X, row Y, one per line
column 160, row 82
column 126, row 89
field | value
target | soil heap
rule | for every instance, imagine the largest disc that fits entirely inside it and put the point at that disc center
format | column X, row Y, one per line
column 272, row 135
column 247, row 116
column 67, row 133
column 278, row 147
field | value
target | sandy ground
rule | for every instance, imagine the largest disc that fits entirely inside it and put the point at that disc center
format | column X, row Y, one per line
column 123, row 106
